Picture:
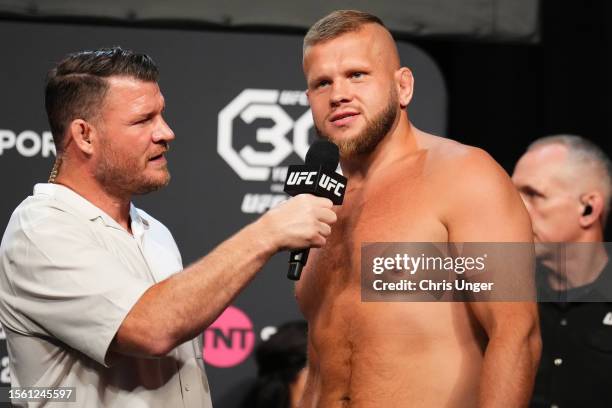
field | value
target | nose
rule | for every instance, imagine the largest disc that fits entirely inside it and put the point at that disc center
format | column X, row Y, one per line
column 340, row 93
column 163, row 132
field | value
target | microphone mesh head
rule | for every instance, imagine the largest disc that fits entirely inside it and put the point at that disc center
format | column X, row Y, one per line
column 323, row 152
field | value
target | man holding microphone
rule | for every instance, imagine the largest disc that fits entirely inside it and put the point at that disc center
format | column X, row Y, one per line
column 93, row 294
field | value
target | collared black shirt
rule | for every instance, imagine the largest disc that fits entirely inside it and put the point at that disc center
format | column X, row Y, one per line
column 576, row 365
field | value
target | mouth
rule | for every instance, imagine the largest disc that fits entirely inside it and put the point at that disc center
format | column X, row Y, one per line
column 160, row 158
column 343, row 118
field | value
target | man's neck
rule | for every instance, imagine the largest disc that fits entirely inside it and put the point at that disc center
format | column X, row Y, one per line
column 115, row 205
column 582, row 264
column 399, row 142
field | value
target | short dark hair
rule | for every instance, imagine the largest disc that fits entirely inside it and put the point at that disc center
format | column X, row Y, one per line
column 76, row 86
column 279, row 361
column 337, row 23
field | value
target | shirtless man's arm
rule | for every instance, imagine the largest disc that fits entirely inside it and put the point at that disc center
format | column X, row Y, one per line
column 487, row 208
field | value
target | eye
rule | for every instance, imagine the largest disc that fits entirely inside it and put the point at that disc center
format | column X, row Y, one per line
column 357, row 75
column 322, row 83
column 143, row 121
column 531, row 193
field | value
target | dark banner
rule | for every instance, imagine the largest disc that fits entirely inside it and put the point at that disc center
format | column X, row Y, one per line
column 498, row 20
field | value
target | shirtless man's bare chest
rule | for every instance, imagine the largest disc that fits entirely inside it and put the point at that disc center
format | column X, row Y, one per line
column 375, row 354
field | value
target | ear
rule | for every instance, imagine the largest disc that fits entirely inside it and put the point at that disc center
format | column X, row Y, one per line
column 595, row 201
column 82, row 134
column 405, row 82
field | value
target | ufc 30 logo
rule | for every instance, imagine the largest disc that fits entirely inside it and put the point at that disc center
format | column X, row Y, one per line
column 249, row 105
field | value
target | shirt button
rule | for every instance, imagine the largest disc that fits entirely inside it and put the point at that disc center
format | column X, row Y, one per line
column 563, row 323
column 558, row 362
column 186, row 388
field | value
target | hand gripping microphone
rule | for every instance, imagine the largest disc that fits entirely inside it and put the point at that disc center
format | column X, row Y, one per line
column 317, row 177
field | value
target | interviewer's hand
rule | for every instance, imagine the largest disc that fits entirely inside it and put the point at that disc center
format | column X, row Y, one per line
column 303, row 221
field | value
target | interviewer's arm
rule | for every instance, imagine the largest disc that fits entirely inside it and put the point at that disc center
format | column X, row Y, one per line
column 182, row 306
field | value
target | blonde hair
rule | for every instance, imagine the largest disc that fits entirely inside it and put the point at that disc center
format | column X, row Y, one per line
column 337, row 23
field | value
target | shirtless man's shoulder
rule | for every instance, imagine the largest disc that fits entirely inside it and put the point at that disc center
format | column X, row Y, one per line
column 447, row 156
column 471, row 185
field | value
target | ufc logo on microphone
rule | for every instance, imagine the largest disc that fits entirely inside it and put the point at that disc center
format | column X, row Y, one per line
column 297, row 178
column 330, row 184
column 314, row 179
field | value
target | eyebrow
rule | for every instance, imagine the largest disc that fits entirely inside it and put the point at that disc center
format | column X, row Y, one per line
column 144, row 115
column 139, row 117
column 317, row 79
column 149, row 113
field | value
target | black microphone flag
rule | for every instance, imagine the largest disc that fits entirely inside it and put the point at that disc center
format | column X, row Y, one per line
column 317, row 177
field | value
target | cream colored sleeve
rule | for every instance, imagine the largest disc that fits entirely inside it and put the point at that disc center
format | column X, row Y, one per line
column 58, row 281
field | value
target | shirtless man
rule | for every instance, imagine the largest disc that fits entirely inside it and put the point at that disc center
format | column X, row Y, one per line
column 404, row 185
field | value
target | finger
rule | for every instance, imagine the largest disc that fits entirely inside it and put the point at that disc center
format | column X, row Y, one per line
column 318, row 242
column 324, row 229
column 325, row 202
column 316, row 201
column 327, row 216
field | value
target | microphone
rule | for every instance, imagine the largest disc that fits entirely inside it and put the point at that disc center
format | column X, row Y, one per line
column 317, row 177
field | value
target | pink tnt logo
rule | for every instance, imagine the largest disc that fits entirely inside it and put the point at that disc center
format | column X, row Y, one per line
column 229, row 340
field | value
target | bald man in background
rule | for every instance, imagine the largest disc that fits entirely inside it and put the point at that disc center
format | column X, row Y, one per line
column 566, row 183
column 403, row 187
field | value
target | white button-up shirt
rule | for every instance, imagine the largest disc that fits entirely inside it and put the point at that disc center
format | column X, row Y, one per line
column 69, row 275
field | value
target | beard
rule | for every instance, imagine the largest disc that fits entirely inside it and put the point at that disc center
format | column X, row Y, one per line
column 125, row 176
column 375, row 131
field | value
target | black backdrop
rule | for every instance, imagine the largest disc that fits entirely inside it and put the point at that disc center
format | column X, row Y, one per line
column 502, row 96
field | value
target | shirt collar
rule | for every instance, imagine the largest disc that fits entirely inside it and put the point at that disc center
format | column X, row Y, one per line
column 139, row 224
column 86, row 208
column 597, row 291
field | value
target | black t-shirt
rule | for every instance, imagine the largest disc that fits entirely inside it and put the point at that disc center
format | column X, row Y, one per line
column 576, row 364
